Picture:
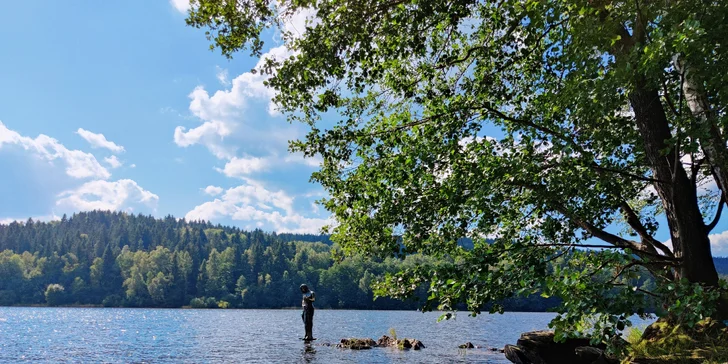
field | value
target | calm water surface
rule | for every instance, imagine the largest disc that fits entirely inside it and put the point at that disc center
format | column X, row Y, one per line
column 252, row 336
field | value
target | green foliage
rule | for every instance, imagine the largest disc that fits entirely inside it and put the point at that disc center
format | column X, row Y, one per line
column 544, row 124
column 393, row 333
column 195, row 263
column 705, row 342
column 54, row 295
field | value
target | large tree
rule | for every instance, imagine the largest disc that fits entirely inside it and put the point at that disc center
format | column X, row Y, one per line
column 537, row 128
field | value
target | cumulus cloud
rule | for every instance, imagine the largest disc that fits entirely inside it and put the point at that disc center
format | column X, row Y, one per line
column 106, row 195
column 213, row 190
column 210, row 134
column 239, row 167
column 99, row 141
column 181, row 5
column 254, row 204
column 113, row 162
column 78, row 164
column 719, row 244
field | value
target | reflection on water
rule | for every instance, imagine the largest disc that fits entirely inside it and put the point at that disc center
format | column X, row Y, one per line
column 249, row 336
column 309, row 352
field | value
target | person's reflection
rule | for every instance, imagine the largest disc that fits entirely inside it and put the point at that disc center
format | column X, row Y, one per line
column 309, row 353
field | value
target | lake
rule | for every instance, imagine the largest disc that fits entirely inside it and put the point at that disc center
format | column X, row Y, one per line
column 119, row 335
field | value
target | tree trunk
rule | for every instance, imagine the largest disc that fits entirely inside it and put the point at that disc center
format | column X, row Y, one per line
column 679, row 197
column 712, row 142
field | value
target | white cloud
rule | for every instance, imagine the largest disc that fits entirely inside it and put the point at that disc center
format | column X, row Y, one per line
column 113, row 162
column 308, row 161
column 106, row 195
column 222, row 113
column 99, row 141
column 222, row 76
column 213, row 190
column 78, row 164
column 51, row 217
column 255, row 204
column 209, row 134
column 719, row 244
column 238, row 167
column 294, row 23
column 181, row 5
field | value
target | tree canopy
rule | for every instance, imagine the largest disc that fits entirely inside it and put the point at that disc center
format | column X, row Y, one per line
column 547, row 125
column 119, row 259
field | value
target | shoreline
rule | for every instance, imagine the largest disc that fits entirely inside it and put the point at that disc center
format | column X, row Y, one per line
column 292, row 308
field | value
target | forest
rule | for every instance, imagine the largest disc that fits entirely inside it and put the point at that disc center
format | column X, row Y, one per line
column 118, row 259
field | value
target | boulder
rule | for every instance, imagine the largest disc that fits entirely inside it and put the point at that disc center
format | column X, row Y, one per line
column 590, row 354
column 417, row 345
column 467, row 345
column 539, row 347
column 387, row 341
column 520, row 356
column 357, row 344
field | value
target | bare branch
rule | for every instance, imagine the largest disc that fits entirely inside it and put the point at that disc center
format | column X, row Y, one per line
column 627, row 174
column 647, row 239
column 713, row 223
column 625, row 267
column 638, row 290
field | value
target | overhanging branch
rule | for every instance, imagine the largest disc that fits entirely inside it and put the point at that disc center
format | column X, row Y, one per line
column 713, row 223
column 647, row 239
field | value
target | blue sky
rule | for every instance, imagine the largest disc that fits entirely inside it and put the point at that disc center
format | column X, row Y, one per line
column 119, row 105
column 114, row 105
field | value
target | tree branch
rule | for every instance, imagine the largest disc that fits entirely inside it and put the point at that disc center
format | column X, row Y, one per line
column 627, row 174
column 647, row 239
column 639, row 263
column 638, row 290
column 713, row 223
column 695, row 169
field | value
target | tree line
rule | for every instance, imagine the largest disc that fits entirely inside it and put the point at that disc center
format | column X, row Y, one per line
column 119, row 259
column 125, row 260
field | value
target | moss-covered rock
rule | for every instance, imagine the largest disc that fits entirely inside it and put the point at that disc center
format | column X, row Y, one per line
column 357, row 344
column 671, row 343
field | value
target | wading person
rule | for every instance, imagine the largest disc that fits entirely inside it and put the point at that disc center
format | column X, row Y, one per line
column 307, row 315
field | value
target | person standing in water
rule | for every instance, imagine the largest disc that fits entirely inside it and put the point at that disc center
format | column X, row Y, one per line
column 307, row 315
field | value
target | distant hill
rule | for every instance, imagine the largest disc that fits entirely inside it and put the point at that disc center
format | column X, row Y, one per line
column 721, row 264
column 119, row 259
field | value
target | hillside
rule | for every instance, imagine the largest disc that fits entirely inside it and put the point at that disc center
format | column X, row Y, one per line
column 120, row 259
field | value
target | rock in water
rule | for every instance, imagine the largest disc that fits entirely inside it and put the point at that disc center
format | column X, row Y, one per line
column 386, row 341
column 519, row 356
column 467, row 345
column 357, row 344
column 539, row 347
column 417, row 345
